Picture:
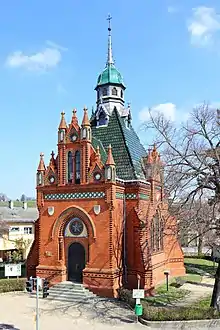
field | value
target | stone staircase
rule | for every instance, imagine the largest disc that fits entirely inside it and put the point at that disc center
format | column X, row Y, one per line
column 69, row 292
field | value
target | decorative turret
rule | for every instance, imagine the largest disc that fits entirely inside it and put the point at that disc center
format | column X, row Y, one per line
column 86, row 127
column 74, row 118
column 110, row 86
column 52, row 161
column 153, row 165
column 110, row 166
column 62, row 128
column 40, row 171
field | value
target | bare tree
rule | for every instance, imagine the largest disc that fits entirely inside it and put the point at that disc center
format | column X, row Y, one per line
column 196, row 223
column 4, row 227
column 191, row 152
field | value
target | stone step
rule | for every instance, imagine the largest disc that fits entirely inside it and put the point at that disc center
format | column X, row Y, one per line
column 69, row 299
column 64, row 288
column 67, row 295
column 69, row 292
column 68, row 283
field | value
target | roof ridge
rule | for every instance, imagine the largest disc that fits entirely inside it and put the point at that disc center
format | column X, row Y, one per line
column 125, row 141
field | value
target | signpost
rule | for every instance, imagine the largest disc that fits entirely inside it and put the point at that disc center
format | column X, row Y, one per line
column 138, row 294
column 167, row 273
column 12, row 270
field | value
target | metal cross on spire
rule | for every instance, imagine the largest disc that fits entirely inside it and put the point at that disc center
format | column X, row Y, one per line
column 110, row 60
column 109, row 18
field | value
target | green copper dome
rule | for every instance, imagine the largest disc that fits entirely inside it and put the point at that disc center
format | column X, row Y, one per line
column 110, row 75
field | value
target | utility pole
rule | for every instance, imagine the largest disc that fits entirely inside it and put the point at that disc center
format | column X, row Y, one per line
column 37, row 302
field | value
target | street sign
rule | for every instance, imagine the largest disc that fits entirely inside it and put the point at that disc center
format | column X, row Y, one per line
column 138, row 294
column 12, row 270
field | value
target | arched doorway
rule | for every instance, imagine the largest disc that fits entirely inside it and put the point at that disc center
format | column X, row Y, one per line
column 76, row 262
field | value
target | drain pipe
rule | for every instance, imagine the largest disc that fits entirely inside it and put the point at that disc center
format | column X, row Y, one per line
column 124, row 240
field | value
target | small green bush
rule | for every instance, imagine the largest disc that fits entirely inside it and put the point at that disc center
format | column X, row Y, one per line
column 126, row 296
column 13, row 284
column 151, row 313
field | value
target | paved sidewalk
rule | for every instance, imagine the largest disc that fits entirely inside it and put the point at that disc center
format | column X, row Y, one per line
column 198, row 291
column 96, row 314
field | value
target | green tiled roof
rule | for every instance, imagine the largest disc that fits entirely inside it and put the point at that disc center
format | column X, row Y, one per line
column 97, row 143
column 127, row 149
column 110, row 75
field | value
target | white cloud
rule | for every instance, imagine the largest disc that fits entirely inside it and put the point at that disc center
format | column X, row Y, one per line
column 167, row 109
column 203, row 25
column 55, row 45
column 47, row 58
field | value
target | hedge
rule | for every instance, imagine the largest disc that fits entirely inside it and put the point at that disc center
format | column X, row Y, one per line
column 13, row 284
column 126, row 296
column 152, row 313
column 197, row 311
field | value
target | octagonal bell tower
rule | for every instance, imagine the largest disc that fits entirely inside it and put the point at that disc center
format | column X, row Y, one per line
column 110, row 86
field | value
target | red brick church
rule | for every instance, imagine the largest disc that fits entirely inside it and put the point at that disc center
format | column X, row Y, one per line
column 103, row 218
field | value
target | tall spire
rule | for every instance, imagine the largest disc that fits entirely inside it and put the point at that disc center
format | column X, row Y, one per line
column 110, row 60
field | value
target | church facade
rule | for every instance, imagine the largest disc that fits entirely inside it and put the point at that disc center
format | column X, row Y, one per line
column 103, row 218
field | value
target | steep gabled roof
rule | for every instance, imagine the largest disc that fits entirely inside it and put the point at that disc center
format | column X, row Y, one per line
column 127, row 149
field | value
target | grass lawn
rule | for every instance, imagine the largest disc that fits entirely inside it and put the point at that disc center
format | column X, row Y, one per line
column 200, row 264
column 164, row 297
column 197, row 311
column 191, row 278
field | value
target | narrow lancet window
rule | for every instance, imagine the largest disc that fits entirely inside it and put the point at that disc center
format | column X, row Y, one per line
column 70, row 167
column 77, row 167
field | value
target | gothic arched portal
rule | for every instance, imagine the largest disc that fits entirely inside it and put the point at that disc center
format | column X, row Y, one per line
column 76, row 262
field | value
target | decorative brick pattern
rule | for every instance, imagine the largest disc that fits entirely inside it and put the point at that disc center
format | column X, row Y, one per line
column 131, row 196
column 84, row 195
column 119, row 195
column 127, row 196
column 144, row 197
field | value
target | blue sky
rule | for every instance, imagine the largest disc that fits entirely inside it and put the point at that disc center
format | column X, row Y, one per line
column 52, row 52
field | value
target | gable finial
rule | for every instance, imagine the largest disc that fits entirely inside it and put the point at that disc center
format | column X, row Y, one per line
column 110, row 60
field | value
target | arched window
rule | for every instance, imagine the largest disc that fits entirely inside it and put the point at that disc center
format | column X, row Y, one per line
column 109, row 174
column 122, row 94
column 152, row 233
column 70, row 167
column 102, row 118
column 113, row 174
column 104, row 91
column 77, row 167
column 98, row 94
column 157, row 232
column 161, row 233
column 61, row 135
column 114, row 91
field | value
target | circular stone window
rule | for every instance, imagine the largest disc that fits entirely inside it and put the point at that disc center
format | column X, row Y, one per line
column 97, row 176
column 76, row 227
column 73, row 137
column 52, row 179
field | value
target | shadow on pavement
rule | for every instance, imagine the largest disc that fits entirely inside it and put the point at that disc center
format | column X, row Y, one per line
column 102, row 310
column 4, row 326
